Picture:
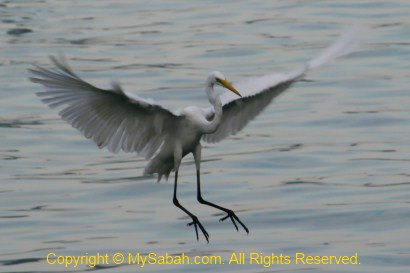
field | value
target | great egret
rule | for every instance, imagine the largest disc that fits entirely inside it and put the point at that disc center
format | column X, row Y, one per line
column 124, row 121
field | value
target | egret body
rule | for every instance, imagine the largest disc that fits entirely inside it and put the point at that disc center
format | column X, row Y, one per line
column 124, row 121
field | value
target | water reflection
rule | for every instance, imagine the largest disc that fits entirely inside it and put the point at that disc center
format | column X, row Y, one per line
column 20, row 122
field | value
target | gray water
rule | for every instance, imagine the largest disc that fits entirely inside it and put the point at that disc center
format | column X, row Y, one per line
column 323, row 171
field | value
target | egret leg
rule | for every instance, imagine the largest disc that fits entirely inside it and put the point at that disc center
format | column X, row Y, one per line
column 230, row 214
column 195, row 222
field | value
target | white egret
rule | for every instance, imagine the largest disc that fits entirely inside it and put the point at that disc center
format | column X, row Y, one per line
column 124, row 121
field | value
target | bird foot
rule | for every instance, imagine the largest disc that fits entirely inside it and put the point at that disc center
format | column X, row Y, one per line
column 231, row 215
column 195, row 222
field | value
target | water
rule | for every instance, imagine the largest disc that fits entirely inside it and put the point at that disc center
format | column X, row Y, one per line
column 323, row 171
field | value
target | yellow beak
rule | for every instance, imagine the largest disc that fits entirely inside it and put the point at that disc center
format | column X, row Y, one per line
column 229, row 86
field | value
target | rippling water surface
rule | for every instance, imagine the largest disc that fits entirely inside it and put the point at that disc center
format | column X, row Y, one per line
column 324, row 170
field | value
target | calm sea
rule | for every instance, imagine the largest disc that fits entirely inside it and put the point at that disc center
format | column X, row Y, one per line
column 323, row 171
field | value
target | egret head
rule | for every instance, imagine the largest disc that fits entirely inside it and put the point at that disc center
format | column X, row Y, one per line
column 218, row 78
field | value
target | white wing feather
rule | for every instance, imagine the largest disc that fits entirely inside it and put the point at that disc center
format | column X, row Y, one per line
column 258, row 92
column 111, row 118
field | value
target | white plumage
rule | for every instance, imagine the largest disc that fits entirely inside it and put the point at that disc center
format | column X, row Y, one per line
column 123, row 121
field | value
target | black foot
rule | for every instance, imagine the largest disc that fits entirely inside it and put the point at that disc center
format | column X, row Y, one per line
column 233, row 217
column 195, row 222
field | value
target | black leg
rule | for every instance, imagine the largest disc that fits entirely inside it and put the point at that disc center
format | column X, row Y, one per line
column 195, row 222
column 231, row 215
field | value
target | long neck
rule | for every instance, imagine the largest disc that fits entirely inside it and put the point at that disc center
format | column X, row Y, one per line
column 215, row 100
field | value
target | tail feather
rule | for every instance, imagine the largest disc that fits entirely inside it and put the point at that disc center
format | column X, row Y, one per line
column 160, row 166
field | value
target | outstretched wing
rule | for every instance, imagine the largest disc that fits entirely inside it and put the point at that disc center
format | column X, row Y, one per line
column 258, row 92
column 238, row 112
column 111, row 118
